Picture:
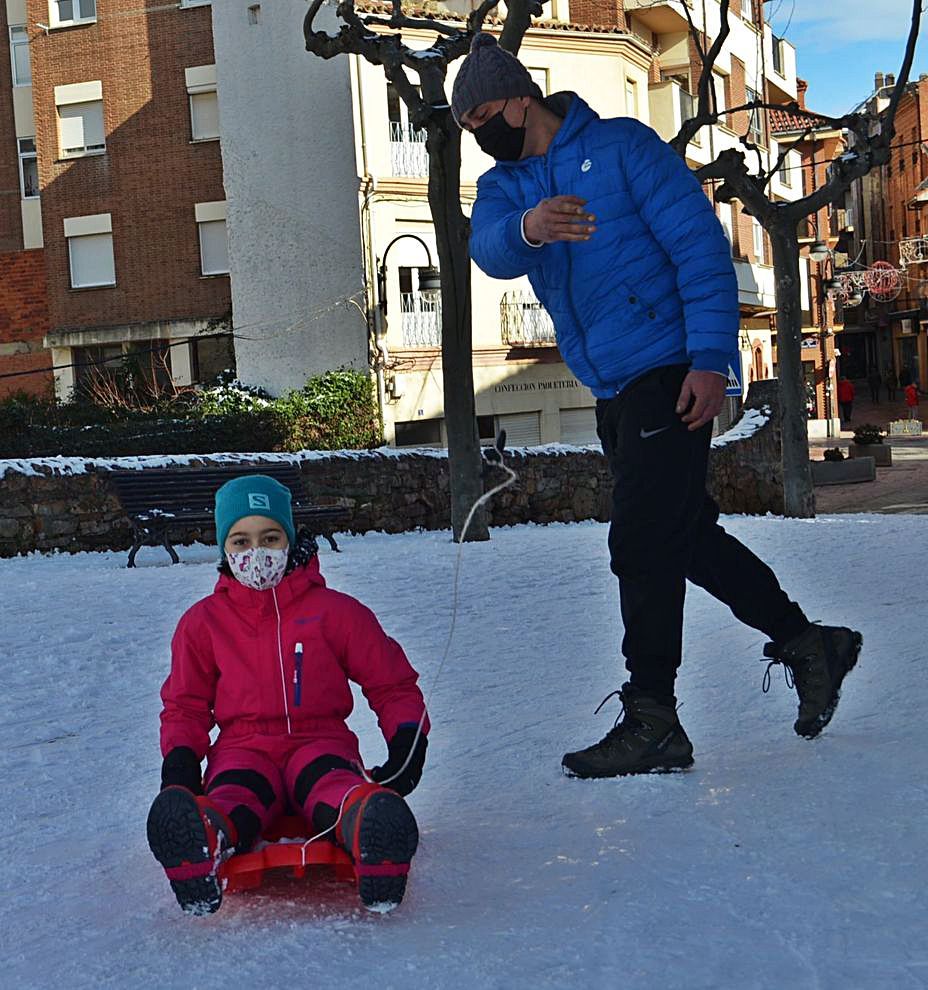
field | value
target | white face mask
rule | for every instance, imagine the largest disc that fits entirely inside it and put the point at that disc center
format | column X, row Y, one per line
column 259, row 568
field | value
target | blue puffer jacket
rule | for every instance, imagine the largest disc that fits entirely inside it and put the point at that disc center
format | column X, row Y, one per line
column 655, row 283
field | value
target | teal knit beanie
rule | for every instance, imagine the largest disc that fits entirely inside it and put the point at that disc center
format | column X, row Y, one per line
column 253, row 495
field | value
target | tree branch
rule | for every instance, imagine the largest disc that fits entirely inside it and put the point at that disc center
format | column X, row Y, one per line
column 707, row 111
column 518, row 21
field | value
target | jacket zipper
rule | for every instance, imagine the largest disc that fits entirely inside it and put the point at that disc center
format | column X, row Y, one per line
column 280, row 657
column 581, row 333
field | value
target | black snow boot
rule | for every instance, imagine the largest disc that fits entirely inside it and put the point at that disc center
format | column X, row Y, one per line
column 818, row 660
column 379, row 831
column 648, row 739
column 190, row 837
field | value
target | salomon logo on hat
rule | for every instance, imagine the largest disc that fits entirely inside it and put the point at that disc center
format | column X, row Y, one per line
column 258, row 501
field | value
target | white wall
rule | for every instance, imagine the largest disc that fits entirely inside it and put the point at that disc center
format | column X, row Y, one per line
column 288, row 152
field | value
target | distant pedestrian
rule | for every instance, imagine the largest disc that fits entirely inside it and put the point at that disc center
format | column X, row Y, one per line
column 892, row 383
column 846, row 398
column 875, row 380
column 911, row 400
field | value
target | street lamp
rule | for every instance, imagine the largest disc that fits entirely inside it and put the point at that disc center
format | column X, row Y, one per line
column 819, row 251
column 429, row 277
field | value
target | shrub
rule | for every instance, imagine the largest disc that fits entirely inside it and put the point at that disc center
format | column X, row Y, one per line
column 834, row 454
column 867, row 433
column 332, row 411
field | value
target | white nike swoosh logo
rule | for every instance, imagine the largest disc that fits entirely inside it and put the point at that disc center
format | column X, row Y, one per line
column 646, row 434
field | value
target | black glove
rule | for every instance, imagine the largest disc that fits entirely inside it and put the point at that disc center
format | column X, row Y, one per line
column 181, row 767
column 398, row 750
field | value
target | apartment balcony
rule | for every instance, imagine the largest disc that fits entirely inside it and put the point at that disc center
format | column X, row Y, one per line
column 660, row 17
column 780, row 62
column 670, row 106
column 913, row 251
column 524, row 322
column 408, row 154
column 420, row 319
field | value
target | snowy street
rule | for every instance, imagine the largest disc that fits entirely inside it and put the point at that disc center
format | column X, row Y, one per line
column 775, row 863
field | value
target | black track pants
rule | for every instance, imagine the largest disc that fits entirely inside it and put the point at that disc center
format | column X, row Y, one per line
column 665, row 529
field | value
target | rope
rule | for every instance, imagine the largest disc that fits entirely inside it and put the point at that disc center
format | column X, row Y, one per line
column 511, row 478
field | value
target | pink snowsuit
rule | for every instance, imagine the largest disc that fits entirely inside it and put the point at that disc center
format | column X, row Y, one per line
column 282, row 734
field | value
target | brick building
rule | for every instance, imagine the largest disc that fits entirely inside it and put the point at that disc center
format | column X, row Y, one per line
column 890, row 205
column 125, row 134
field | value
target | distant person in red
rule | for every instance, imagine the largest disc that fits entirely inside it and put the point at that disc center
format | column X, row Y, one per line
column 911, row 400
column 846, row 398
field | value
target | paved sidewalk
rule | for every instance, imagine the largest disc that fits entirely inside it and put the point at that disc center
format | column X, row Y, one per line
column 900, row 488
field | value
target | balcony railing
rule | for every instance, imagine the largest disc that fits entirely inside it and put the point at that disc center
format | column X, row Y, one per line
column 421, row 319
column 523, row 320
column 408, row 154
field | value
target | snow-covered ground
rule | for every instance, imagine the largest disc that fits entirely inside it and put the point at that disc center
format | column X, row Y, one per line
column 775, row 863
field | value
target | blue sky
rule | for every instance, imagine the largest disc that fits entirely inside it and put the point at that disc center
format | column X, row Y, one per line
column 840, row 44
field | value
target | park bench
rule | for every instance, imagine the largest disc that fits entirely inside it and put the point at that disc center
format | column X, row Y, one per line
column 158, row 500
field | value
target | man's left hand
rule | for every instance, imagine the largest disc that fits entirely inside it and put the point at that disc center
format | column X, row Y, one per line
column 701, row 398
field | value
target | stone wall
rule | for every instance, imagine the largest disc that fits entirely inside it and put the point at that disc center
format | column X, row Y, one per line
column 67, row 504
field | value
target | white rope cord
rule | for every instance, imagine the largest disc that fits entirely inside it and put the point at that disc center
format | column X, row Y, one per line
column 512, row 477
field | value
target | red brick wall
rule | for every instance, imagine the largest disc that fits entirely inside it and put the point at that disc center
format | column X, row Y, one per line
column 11, row 222
column 150, row 176
column 602, row 13
column 23, row 323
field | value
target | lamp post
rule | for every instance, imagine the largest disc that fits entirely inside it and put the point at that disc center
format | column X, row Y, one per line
column 429, row 277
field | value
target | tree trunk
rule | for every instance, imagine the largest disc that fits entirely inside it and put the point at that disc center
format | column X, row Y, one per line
column 465, row 462
column 798, row 497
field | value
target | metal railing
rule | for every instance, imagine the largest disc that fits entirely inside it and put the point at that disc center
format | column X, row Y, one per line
column 408, row 154
column 524, row 321
column 420, row 319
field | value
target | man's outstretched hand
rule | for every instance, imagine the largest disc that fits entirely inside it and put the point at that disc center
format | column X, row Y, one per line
column 701, row 398
column 560, row 218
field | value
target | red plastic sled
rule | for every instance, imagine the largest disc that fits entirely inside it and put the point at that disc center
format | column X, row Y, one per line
column 286, row 849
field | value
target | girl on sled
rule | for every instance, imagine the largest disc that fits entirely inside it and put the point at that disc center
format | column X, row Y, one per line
column 268, row 657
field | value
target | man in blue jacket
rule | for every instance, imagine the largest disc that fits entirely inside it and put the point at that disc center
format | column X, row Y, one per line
column 624, row 250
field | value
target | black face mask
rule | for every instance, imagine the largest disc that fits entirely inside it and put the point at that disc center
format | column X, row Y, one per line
column 499, row 139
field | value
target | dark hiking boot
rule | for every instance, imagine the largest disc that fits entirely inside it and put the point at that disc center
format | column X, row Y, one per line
column 190, row 838
column 648, row 739
column 817, row 662
column 379, row 831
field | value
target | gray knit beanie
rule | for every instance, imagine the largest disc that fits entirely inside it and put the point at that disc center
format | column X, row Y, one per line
column 489, row 73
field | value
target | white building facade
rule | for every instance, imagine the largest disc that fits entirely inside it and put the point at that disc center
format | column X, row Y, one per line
column 326, row 185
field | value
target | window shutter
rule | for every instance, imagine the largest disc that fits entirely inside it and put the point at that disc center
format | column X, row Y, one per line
column 522, row 429
column 214, row 247
column 92, row 260
column 578, row 426
column 204, row 115
column 94, row 134
column 71, row 122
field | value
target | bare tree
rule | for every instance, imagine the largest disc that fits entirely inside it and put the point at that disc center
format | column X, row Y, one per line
column 873, row 136
column 378, row 39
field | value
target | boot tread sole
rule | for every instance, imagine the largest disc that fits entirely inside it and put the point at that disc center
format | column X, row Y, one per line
column 177, row 835
column 388, row 834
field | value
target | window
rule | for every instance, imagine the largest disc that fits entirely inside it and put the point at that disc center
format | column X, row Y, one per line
column 747, row 10
column 758, row 233
column 19, row 54
column 418, row 433
column 777, row 44
column 28, row 169
column 214, row 241
column 96, row 362
column 631, row 97
column 755, row 118
column 80, row 119
column 65, row 12
column 195, row 3
column 408, row 152
column 726, row 220
column 540, row 79
column 720, row 85
column 204, row 103
column 785, row 171
column 90, row 250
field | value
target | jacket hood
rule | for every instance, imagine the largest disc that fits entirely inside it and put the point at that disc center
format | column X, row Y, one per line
column 296, row 583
